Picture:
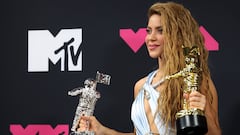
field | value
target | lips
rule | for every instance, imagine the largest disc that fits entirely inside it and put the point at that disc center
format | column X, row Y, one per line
column 152, row 47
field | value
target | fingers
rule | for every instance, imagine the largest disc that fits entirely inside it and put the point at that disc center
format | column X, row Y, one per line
column 90, row 123
column 84, row 117
column 196, row 100
column 83, row 123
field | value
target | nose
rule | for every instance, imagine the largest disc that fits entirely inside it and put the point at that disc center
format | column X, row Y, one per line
column 152, row 36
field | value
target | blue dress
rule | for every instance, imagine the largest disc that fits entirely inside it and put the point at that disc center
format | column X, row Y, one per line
column 138, row 114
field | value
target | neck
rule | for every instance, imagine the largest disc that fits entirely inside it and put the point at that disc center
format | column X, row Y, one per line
column 160, row 67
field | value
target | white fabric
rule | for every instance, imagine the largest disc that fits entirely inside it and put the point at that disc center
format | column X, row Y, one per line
column 138, row 114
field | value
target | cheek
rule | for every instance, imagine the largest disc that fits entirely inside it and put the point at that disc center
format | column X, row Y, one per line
column 161, row 40
column 147, row 39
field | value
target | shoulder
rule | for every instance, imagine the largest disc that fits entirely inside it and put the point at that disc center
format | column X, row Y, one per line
column 138, row 85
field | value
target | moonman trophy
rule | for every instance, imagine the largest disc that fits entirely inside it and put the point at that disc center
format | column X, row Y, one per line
column 88, row 97
column 190, row 121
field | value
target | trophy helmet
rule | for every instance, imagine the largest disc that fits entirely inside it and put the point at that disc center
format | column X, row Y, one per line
column 90, row 83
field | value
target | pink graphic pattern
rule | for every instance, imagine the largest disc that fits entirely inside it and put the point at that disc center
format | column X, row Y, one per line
column 210, row 43
column 133, row 40
column 136, row 40
column 32, row 129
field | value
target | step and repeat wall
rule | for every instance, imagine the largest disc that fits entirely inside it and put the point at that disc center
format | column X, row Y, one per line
column 49, row 47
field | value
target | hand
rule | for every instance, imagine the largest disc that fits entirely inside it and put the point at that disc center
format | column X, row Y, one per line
column 196, row 100
column 83, row 124
column 90, row 123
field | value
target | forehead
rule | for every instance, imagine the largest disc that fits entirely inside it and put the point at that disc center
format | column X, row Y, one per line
column 155, row 20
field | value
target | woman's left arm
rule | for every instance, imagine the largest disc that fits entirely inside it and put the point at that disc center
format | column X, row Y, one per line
column 200, row 101
column 211, row 112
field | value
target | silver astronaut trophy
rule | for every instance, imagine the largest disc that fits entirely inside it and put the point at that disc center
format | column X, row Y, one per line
column 88, row 97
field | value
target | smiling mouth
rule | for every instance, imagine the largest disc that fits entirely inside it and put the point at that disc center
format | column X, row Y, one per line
column 152, row 47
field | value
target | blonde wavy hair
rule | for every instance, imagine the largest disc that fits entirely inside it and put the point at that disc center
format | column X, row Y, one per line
column 179, row 28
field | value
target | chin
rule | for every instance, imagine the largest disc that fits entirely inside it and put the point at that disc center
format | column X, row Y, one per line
column 153, row 56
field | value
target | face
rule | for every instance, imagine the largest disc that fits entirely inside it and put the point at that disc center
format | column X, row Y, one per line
column 154, row 38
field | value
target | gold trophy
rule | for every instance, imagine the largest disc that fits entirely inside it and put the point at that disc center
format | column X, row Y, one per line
column 190, row 121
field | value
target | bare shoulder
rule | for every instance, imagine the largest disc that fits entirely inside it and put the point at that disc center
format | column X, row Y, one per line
column 138, row 85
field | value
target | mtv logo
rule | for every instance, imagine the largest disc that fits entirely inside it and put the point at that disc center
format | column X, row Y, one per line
column 44, row 48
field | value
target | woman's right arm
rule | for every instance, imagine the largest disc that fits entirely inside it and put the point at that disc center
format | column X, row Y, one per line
column 107, row 131
column 97, row 127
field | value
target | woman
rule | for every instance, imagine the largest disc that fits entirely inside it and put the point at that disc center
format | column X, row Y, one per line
column 157, row 100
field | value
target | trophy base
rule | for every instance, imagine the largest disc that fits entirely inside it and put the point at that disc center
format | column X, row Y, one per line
column 82, row 133
column 191, row 125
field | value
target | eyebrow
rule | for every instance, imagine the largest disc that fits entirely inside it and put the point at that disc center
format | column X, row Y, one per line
column 158, row 27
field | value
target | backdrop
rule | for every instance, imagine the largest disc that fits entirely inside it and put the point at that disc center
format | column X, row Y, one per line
column 49, row 47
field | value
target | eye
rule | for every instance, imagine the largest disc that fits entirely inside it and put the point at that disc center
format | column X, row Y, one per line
column 160, row 30
column 148, row 31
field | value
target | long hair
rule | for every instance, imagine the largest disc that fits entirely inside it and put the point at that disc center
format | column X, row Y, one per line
column 179, row 28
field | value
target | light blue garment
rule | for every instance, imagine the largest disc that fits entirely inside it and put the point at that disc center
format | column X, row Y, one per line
column 138, row 114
